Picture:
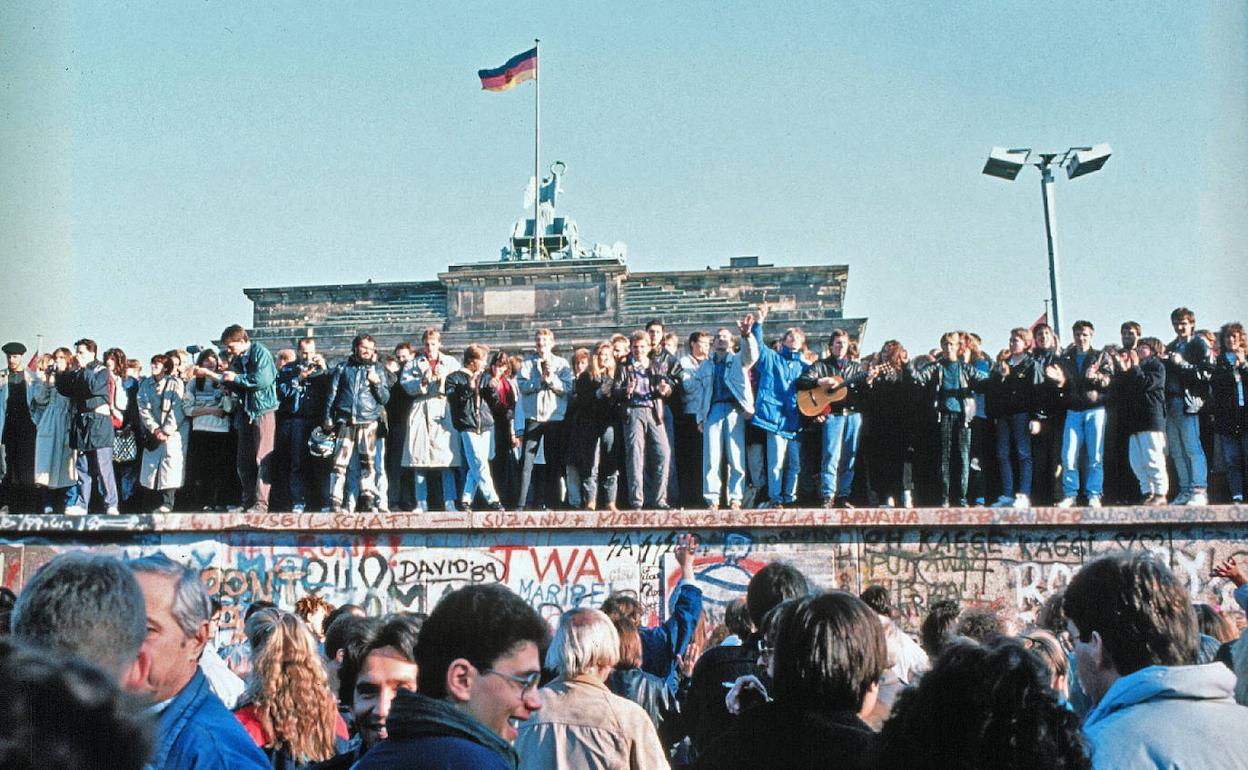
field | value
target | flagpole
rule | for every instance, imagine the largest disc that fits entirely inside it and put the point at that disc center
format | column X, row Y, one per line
column 537, row 143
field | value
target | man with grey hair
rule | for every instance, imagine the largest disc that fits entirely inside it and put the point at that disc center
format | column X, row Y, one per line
column 582, row 724
column 195, row 729
column 87, row 605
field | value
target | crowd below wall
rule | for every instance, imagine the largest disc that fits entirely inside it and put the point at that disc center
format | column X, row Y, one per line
column 112, row 658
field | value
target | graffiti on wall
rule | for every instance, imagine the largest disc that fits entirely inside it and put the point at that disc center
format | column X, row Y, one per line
column 1011, row 569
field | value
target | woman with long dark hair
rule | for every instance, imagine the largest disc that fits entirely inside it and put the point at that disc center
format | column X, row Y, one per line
column 890, row 413
column 594, row 429
column 504, row 466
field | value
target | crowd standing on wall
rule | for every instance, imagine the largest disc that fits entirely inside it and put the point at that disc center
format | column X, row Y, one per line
column 736, row 419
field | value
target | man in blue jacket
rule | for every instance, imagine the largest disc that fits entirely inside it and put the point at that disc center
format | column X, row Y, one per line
column 1135, row 639
column 195, row 729
column 775, row 410
column 663, row 646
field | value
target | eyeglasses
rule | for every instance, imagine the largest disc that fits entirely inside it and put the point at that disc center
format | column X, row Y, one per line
column 526, row 682
column 764, row 651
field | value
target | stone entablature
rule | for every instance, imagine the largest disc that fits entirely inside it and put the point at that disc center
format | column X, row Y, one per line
column 583, row 301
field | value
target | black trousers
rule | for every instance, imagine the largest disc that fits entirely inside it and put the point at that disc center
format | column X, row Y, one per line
column 550, row 436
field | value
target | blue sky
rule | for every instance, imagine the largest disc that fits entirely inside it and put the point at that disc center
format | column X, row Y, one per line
column 161, row 156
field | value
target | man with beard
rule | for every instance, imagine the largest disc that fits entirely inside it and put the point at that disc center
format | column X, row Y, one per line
column 358, row 389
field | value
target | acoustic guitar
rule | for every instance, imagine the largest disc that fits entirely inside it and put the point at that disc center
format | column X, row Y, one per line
column 818, row 401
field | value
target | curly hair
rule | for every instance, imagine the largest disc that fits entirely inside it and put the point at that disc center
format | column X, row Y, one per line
column 288, row 686
column 307, row 606
column 981, row 625
column 983, row 707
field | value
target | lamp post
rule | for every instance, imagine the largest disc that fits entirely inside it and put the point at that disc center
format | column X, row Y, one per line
column 1006, row 164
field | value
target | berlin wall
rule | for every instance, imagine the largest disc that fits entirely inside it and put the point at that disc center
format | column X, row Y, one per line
column 1007, row 560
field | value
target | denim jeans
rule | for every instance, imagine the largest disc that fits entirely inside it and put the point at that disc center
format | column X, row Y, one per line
column 603, row 468
column 1183, row 445
column 95, row 469
column 1014, row 443
column 723, row 434
column 1235, row 450
column 840, row 449
column 1086, row 430
column 783, row 464
column 647, row 457
column 293, row 433
column 955, row 446
column 422, row 484
column 477, row 450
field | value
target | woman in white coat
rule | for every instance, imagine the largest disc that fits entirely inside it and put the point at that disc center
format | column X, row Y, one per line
column 163, row 415
column 432, row 442
column 55, row 475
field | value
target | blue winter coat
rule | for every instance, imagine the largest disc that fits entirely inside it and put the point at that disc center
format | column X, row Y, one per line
column 1167, row 717
column 775, row 402
column 197, row 731
column 662, row 646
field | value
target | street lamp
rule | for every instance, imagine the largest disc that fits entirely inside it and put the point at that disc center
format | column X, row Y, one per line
column 1078, row 161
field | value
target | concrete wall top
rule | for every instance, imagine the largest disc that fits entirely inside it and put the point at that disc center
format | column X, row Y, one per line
column 555, row 521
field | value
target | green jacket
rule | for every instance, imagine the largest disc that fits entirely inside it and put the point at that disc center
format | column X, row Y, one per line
column 256, row 381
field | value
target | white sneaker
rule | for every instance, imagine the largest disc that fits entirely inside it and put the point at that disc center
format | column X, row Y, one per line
column 112, row 511
column 1094, row 501
column 1021, row 501
column 1237, row 499
column 907, row 499
column 1004, row 502
column 1065, row 502
column 1198, row 498
column 1181, row 499
column 75, row 510
column 48, row 509
column 164, row 509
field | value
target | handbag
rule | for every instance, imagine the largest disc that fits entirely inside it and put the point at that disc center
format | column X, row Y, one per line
column 125, row 446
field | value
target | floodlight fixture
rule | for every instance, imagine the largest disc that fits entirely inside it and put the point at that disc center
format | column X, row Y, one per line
column 1005, row 164
column 1078, row 161
column 1085, row 160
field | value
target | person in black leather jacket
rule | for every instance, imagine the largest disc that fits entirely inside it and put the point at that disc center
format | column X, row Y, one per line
column 472, row 397
column 358, row 389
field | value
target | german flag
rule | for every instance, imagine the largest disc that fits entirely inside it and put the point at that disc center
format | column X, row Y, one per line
column 519, row 68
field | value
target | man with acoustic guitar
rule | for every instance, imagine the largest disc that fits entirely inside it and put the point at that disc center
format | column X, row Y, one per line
column 831, row 392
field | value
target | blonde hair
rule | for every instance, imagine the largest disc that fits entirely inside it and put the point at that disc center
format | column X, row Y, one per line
column 288, row 687
column 595, row 370
column 586, row 640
